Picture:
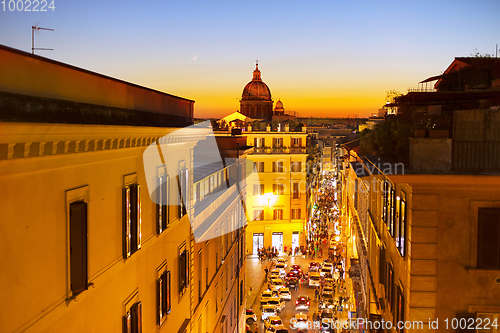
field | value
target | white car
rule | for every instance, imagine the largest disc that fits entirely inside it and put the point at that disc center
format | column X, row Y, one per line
column 314, row 279
column 251, row 317
column 285, row 293
column 279, row 303
column 268, row 310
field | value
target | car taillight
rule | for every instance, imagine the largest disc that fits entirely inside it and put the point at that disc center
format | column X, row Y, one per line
column 296, row 302
column 307, row 302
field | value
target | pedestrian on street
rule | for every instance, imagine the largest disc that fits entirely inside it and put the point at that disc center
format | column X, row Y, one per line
column 316, row 293
column 267, row 271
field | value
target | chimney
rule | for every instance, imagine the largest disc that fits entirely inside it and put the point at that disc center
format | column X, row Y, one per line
column 287, row 128
column 268, row 128
column 304, row 128
column 249, row 128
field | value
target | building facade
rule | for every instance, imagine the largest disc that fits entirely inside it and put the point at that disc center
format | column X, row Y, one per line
column 424, row 248
column 95, row 251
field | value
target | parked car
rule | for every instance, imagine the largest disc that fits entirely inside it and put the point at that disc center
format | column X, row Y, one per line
column 281, row 267
column 268, row 310
column 302, row 303
column 272, row 321
column 285, row 293
column 279, row 303
column 274, row 274
column 251, row 317
column 276, row 284
column 328, row 265
column 314, row 279
column 324, row 271
column 282, row 261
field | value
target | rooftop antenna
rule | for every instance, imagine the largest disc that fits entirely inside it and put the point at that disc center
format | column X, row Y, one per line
column 33, row 29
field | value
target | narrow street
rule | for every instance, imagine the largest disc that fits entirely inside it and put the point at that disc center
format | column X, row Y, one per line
column 322, row 230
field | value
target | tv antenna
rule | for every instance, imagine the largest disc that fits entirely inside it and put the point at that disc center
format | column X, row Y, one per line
column 33, row 29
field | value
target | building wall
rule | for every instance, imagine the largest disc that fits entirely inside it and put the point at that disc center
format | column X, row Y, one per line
column 438, row 272
column 34, row 213
column 267, row 201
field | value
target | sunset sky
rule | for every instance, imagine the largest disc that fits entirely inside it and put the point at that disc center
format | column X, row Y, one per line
column 321, row 58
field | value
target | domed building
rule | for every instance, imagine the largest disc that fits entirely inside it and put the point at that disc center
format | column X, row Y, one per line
column 256, row 99
column 278, row 109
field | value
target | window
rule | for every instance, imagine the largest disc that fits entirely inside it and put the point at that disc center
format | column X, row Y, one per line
column 258, row 214
column 162, row 203
column 278, row 189
column 385, row 200
column 132, row 219
column 296, row 142
column 258, row 142
column 278, row 214
column 133, row 319
column 488, row 242
column 182, row 181
column 296, row 166
column 278, row 166
column 183, row 271
column 399, row 306
column 259, row 166
column 388, row 284
column 78, row 247
column 295, row 190
column 277, row 142
column 402, row 227
column 163, row 294
column 258, row 189
column 296, row 213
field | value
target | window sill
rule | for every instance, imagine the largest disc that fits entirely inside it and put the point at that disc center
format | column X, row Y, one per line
column 482, row 271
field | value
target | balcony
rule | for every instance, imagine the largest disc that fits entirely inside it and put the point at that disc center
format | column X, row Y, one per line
column 282, row 150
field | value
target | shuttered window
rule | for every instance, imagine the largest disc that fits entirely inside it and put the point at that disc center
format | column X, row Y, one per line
column 402, row 227
column 183, row 272
column 162, row 203
column 78, row 246
column 131, row 219
column 164, row 302
column 488, row 242
column 381, row 276
column 132, row 321
column 182, row 181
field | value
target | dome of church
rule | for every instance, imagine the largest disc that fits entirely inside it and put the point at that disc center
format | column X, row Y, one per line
column 279, row 105
column 256, row 89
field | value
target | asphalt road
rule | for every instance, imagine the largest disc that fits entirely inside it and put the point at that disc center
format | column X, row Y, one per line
column 289, row 311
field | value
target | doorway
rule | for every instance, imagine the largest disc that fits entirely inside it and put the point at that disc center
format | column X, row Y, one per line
column 295, row 240
column 258, row 242
column 278, row 241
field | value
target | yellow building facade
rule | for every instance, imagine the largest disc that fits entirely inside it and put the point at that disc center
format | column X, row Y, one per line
column 277, row 202
column 89, row 248
column 425, row 248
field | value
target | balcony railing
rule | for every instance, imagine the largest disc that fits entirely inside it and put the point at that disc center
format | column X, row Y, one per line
column 294, row 150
